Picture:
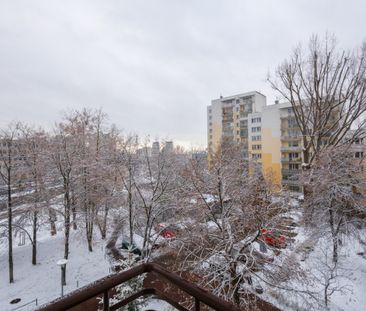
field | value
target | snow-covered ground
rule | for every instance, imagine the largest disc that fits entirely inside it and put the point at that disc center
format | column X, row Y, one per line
column 43, row 280
column 315, row 257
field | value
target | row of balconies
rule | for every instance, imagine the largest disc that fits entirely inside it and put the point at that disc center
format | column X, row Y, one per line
column 290, row 138
column 290, row 182
column 291, row 148
column 291, row 160
column 288, row 172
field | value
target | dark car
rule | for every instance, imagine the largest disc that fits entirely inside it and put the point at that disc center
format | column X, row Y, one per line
column 131, row 248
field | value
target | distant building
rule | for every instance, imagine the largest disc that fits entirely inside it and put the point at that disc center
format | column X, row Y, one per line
column 155, row 150
column 144, row 151
column 201, row 158
column 168, row 147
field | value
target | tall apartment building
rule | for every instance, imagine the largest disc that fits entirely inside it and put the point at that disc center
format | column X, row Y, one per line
column 269, row 134
column 237, row 118
column 282, row 145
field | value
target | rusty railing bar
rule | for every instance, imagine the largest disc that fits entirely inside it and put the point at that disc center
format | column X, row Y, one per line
column 100, row 286
column 147, row 292
column 92, row 290
column 193, row 290
column 196, row 304
column 106, row 301
column 120, row 304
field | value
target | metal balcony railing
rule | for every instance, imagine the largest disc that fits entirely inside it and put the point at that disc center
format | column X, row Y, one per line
column 291, row 160
column 291, row 148
column 291, row 138
column 105, row 285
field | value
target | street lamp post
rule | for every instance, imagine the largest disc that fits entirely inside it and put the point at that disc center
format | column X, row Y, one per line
column 62, row 263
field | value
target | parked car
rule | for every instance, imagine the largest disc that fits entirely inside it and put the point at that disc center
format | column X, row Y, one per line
column 131, row 248
column 167, row 231
column 168, row 234
column 272, row 238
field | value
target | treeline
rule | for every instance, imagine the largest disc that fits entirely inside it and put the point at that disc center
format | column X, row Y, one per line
column 79, row 172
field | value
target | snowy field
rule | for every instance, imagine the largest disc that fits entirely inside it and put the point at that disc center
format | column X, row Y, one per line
column 350, row 283
column 43, row 281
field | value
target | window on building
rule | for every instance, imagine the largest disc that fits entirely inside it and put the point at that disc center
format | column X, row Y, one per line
column 257, row 156
column 256, row 120
column 294, row 188
column 358, row 141
column 256, row 129
column 256, row 138
column 359, row 154
column 256, row 147
column 293, row 155
column 292, row 166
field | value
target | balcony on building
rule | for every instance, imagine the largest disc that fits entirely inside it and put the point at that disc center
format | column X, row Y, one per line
column 291, row 148
column 290, row 137
column 291, row 159
column 289, row 173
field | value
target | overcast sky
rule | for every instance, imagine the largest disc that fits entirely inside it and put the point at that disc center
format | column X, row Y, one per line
column 153, row 66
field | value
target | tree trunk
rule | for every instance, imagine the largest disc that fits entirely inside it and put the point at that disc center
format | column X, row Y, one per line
column 146, row 236
column 234, row 284
column 89, row 234
column 10, row 232
column 52, row 218
column 67, row 219
column 73, row 204
column 334, row 235
column 34, row 242
column 306, row 158
column 130, row 214
column 90, row 244
column 103, row 227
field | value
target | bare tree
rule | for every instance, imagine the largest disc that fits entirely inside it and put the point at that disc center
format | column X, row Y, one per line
column 34, row 155
column 110, row 185
column 326, row 88
column 229, row 208
column 332, row 207
column 127, row 165
column 63, row 155
column 155, row 185
column 8, row 173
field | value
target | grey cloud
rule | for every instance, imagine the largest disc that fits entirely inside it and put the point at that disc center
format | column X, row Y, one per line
column 152, row 65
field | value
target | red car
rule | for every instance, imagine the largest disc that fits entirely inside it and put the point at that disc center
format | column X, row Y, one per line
column 272, row 238
column 168, row 234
